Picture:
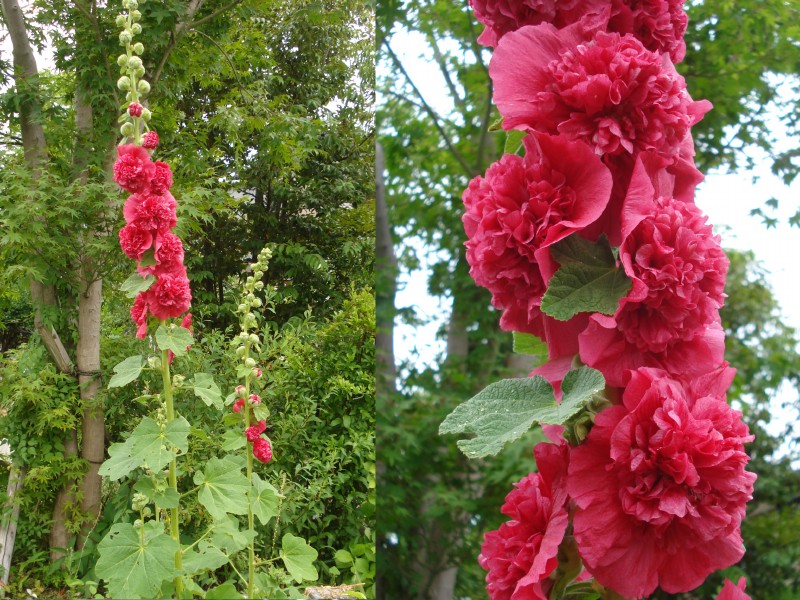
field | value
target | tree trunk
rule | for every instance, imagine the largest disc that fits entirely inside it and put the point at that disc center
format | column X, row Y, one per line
column 386, row 283
column 88, row 358
column 59, row 535
column 8, row 524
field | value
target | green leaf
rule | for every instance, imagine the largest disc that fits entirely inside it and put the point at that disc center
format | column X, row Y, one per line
column 135, row 284
column 223, row 488
column 227, row 537
column 343, row 557
column 126, row 371
column 587, row 281
column 134, row 567
column 264, row 500
column 119, row 462
column 174, row 338
column 499, row 414
column 578, row 387
column 233, row 439
column 148, row 258
column 165, row 497
column 513, row 141
column 207, row 557
column 527, row 343
column 157, row 444
column 299, row 558
column 207, row 390
column 226, row 591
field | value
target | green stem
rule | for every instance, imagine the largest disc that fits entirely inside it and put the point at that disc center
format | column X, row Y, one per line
column 251, row 548
column 174, row 524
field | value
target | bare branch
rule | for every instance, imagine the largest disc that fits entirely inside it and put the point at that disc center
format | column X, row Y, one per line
column 216, row 13
column 431, row 113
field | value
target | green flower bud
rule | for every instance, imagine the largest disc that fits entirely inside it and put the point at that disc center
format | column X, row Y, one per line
column 143, row 87
column 250, row 362
column 177, row 380
column 125, row 37
column 136, row 29
column 121, row 20
column 124, row 83
column 254, row 338
column 244, row 336
column 138, row 47
column 146, row 114
column 154, row 362
column 130, row 4
column 242, row 308
column 138, row 524
column 146, row 512
column 139, row 71
column 134, row 62
column 259, row 285
column 240, row 351
column 127, row 129
column 122, row 60
column 256, row 303
column 139, row 501
column 258, row 273
column 136, row 15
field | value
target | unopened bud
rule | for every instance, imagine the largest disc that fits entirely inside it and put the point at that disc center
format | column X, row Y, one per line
column 126, row 129
column 254, row 338
column 122, row 60
column 134, row 62
column 249, row 362
column 259, row 285
column 124, row 83
column 146, row 114
column 177, row 380
column 121, row 20
column 144, row 87
column 136, row 15
column 240, row 351
column 136, row 29
column 154, row 362
column 125, row 37
column 138, row 47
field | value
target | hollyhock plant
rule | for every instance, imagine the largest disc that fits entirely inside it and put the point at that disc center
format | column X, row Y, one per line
column 660, row 485
column 520, row 208
column 522, row 554
column 670, row 316
column 610, row 92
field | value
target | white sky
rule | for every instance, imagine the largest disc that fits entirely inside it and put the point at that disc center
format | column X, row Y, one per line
column 727, row 199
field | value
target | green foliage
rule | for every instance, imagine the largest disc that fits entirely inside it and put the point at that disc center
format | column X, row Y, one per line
column 588, row 280
column 506, row 409
column 136, row 561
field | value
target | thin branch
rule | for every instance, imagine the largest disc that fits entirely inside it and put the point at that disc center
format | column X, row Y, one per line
column 477, row 49
column 440, row 60
column 217, row 12
column 487, row 115
column 431, row 113
column 242, row 91
column 175, row 36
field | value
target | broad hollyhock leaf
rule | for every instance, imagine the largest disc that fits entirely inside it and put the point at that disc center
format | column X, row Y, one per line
column 164, row 496
column 505, row 410
column 134, row 567
column 175, row 339
column 207, row 557
column 227, row 537
column 526, row 343
column 207, row 390
column 135, row 284
column 223, row 488
column 119, row 463
column 126, row 371
column 156, row 444
column 264, row 500
column 226, row 591
column 575, row 289
column 299, row 558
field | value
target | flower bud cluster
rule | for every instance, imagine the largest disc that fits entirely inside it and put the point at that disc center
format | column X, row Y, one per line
column 132, row 71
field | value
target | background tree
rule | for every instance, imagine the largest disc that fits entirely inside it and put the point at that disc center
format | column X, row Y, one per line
column 431, row 153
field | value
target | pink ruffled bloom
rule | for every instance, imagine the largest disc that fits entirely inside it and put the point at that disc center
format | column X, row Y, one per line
column 661, row 486
column 170, row 296
column 168, row 252
column 670, row 317
column 133, row 169
column 139, row 314
column 162, row 179
column 658, row 24
column 611, row 92
column 733, row 592
column 238, row 405
column 134, row 240
column 262, row 450
column 521, row 555
column 151, row 211
column 254, row 432
column 520, row 208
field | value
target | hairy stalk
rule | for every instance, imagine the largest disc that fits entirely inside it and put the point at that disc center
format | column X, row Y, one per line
column 174, row 524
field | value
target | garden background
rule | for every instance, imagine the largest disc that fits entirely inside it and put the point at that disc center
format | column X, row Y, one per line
column 435, row 128
column 264, row 110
